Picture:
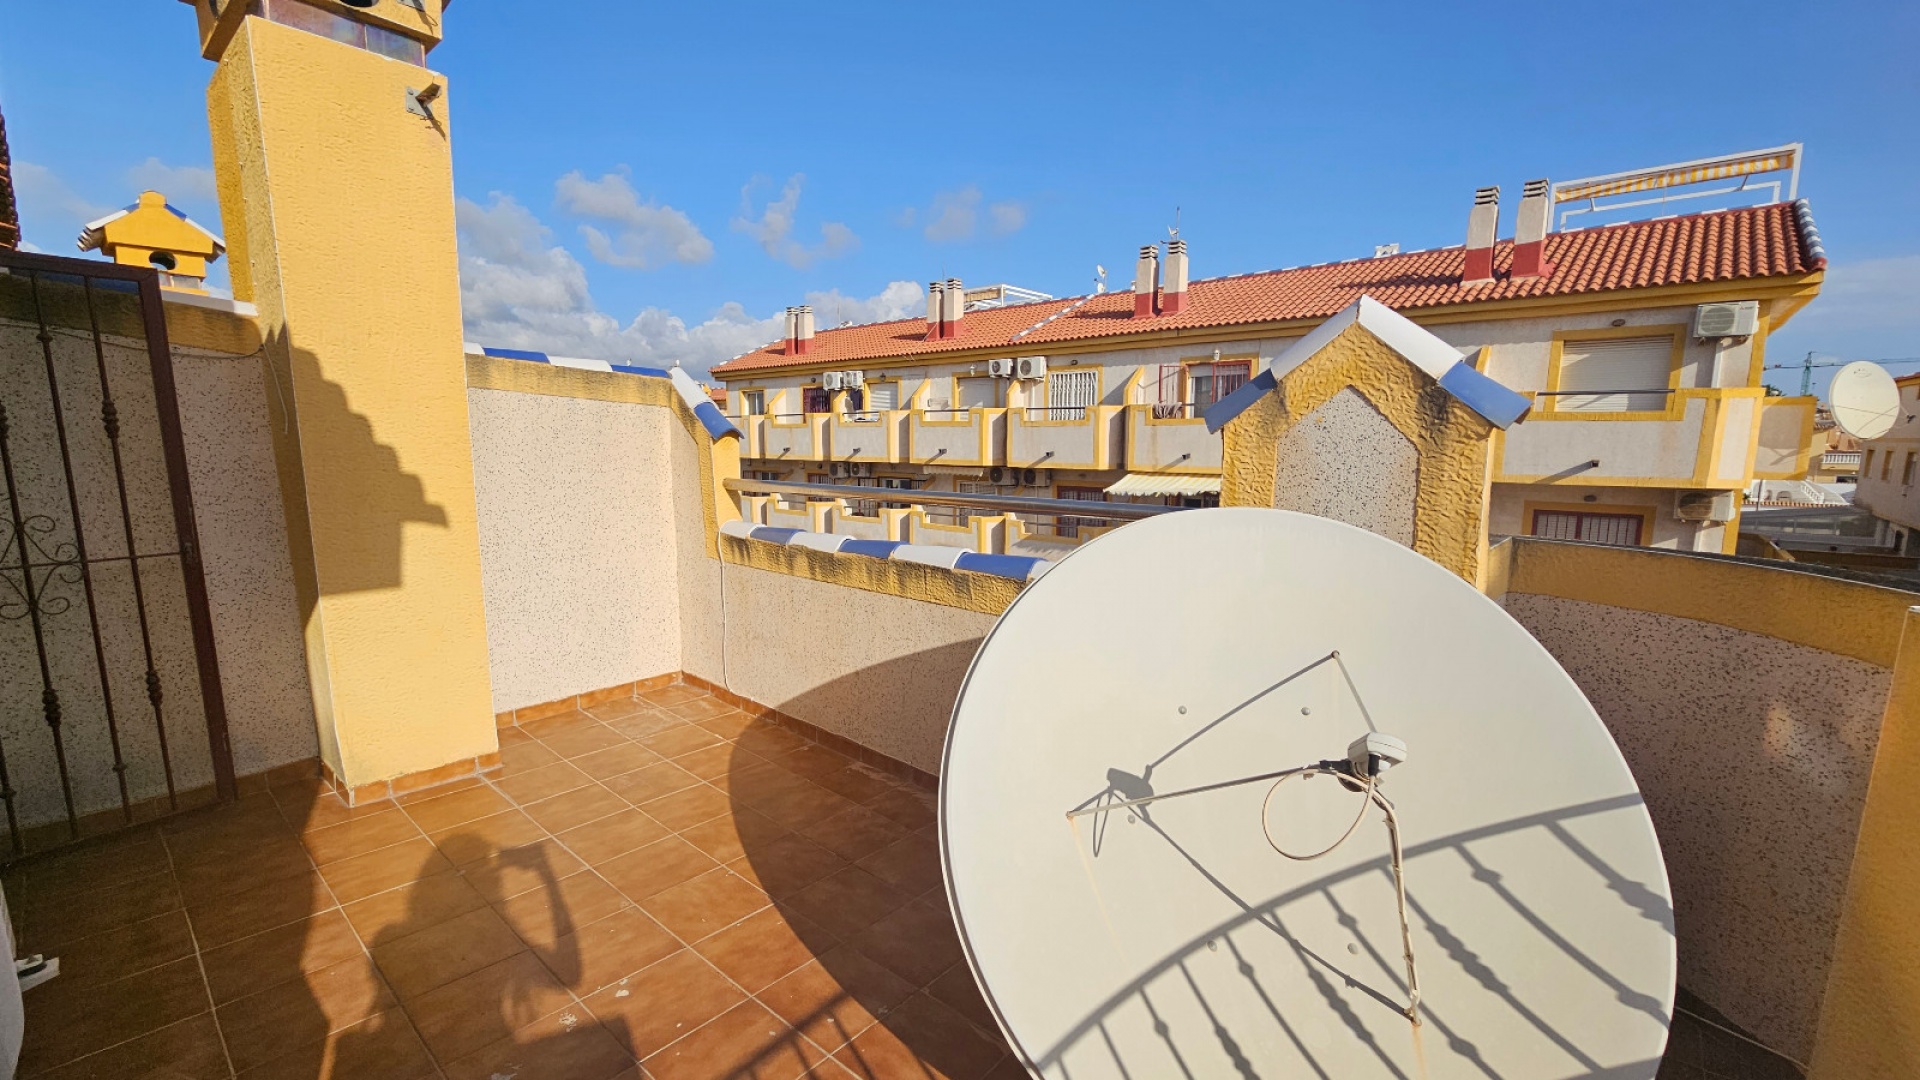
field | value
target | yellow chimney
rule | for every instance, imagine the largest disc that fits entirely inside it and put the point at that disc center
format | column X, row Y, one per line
column 152, row 233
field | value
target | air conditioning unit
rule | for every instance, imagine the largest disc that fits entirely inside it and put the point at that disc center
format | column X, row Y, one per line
column 860, row 469
column 1003, row 477
column 1036, row 477
column 1731, row 320
column 1030, row 367
column 840, row 470
column 852, row 380
column 1713, row 506
column 830, row 380
column 1001, row 368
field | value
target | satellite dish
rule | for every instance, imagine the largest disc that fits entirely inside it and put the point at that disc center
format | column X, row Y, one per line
column 1865, row 400
column 1141, row 765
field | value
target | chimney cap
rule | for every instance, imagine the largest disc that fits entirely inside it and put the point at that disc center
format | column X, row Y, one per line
column 1536, row 189
column 1486, row 196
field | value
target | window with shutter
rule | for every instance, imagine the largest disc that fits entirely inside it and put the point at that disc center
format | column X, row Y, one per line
column 1619, row 375
column 1619, row 529
column 882, row 395
column 977, row 392
column 1069, row 393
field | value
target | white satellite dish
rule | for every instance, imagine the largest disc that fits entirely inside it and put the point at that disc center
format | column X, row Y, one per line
column 1865, row 400
column 1125, row 765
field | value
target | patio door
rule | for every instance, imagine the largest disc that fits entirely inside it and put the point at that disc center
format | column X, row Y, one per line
column 1070, row 394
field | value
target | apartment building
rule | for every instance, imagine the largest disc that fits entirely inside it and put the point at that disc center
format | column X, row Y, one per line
column 1640, row 344
column 1889, row 469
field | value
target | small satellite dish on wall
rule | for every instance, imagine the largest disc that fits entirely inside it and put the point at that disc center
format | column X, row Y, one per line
column 1321, row 810
column 1865, row 400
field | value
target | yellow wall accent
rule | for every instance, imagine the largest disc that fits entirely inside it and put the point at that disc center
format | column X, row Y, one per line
column 342, row 201
column 1831, row 614
column 1870, row 1018
column 984, row 593
column 1456, row 460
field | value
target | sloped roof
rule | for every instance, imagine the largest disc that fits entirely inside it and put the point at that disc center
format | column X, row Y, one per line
column 94, row 233
column 1729, row 245
column 9, row 216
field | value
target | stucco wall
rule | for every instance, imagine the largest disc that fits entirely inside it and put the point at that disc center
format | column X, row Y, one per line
column 1753, row 753
column 1347, row 462
column 881, row 670
column 580, row 540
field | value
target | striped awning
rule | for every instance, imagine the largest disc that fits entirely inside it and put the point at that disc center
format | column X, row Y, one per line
column 1150, row 485
column 1677, row 176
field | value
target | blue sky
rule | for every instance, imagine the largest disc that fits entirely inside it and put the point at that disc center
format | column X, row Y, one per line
column 655, row 182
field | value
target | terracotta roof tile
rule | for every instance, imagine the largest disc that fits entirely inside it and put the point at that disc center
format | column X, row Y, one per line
column 1729, row 245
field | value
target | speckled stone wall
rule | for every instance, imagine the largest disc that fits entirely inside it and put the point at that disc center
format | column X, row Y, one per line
column 881, row 670
column 1347, row 462
column 584, row 509
column 1753, row 754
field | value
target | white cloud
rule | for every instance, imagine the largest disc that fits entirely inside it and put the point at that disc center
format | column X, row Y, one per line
column 773, row 229
column 1872, row 292
column 649, row 235
column 175, row 181
column 519, row 291
column 42, row 194
column 955, row 216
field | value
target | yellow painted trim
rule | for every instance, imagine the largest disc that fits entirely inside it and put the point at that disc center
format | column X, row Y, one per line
column 1646, row 514
column 1730, row 532
column 1674, row 410
column 1757, row 348
column 1833, row 615
column 999, row 388
column 984, row 593
column 1453, row 442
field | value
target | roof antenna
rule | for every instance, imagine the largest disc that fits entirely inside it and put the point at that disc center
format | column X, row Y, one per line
column 1099, row 278
column 1174, row 232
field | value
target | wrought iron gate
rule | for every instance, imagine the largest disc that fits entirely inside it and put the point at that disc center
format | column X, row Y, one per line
column 110, row 703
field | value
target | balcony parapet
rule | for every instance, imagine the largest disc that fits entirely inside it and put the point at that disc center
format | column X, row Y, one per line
column 793, row 437
column 975, row 437
column 1703, row 438
column 1089, row 437
column 1171, row 439
column 872, row 435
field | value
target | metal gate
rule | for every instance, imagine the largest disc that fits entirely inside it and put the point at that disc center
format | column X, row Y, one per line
column 110, row 704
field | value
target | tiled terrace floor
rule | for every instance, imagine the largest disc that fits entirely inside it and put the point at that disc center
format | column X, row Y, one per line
column 661, row 887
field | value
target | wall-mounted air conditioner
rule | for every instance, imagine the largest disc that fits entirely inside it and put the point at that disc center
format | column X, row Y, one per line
column 1031, row 367
column 1708, row 506
column 830, row 380
column 1036, row 477
column 852, row 380
column 1003, row 477
column 1739, row 318
column 839, row 470
column 1001, row 368
column 860, row 469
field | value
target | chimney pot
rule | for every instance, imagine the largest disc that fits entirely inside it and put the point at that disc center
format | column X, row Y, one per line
column 1146, row 281
column 789, row 343
column 1482, row 224
column 953, row 309
column 1530, row 230
column 936, row 301
column 1173, row 295
column 803, row 338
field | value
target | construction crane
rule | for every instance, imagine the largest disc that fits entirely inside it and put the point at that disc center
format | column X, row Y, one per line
column 1806, row 366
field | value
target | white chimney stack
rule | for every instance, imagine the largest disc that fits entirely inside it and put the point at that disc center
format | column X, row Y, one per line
column 1146, row 281
column 953, row 309
column 1530, row 231
column 788, row 344
column 1173, row 296
column 1482, row 223
column 936, row 302
column 803, row 336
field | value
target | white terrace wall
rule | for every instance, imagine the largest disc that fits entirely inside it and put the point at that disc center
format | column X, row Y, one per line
column 1748, row 701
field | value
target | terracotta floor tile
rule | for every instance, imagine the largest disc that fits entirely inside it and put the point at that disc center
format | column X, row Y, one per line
column 786, row 864
column 703, row 708
column 543, row 916
column 924, row 1037
column 688, row 806
column 715, row 761
column 746, row 1040
column 525, row 756
column 644, row 785
column 648, row 721
column 670, row 695
column 813, row 761
column 802, row 806
column 659, row 1004
column 439, row 791
column 767, row 739
column 680, row 740
column 531, row 787
column 910, row 808
column 517, row 870
column 187, row 1050
column 278, row 1021
column 728, row 836
column 486, row 837
column 486, row 1006
column 857, row 782
column 658, row 866
column 568, row 1045
column 443, row 812
column 957, row 990
column 617, row 709
column 854, row 833
column 576, row 807
column 222, row 840
column 623, row 758
column 836, row 997
column 275, row 858
column 911, row 865
column 613, row 835
column 728, row 724
column 91, row 869
column 565, row 723
column 711, row 902
column 761, row 949
column 120, row 952
column 381, row 1047
column 846, row 902
column 608, row 950
column 277, row 903
column 433, row 957
column 359, row 836
column 68, row 1022
column 917, row 942
column 415, row 907
column 323, row 809
column 576, row 744
column 377, row 871
column 257, row 963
